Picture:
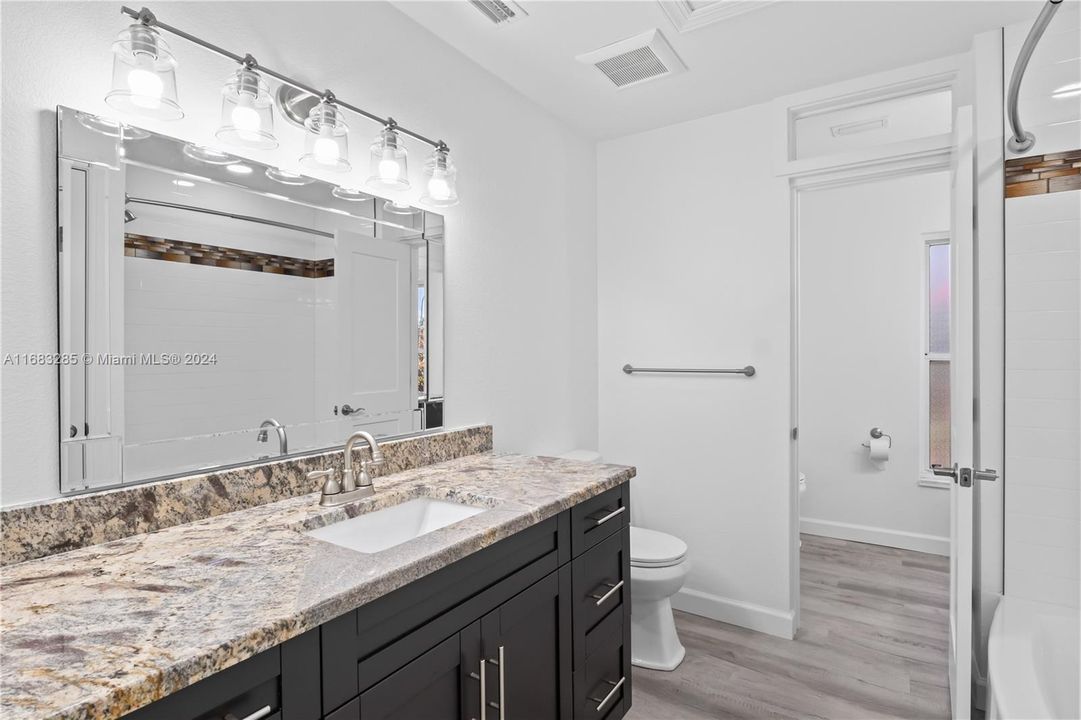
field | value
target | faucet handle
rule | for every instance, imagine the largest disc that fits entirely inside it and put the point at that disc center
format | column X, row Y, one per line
column 331, row 486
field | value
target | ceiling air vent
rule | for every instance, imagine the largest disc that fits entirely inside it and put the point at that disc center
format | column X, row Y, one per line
column 500, row 12
column 638, row 59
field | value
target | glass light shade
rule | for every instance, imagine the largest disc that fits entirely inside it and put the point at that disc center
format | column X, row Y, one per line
column 288, row 178
column 111, row 128
column 210, row 156
column 395, row 208
column 326, row 142
column 247, row 115
column 441, row 188
column 144, row 75
column 351, row 194
column 389, row 164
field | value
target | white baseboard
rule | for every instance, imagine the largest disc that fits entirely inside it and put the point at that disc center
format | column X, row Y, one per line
column 919, row 542
column 736, row 612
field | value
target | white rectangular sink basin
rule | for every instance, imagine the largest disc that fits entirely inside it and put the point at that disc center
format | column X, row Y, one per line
column 394, row 525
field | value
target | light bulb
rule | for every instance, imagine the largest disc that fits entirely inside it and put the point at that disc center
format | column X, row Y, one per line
column 388, row 166
column 438, row 189
column 246, row 118
column 146, row 88
column 325, row 151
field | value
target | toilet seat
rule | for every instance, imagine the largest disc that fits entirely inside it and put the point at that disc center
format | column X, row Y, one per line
column 650, row 548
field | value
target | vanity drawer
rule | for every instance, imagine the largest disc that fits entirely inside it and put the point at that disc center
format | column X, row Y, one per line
column 601, row 581
column 595, row 519
column 601, row 684
column 249, row 689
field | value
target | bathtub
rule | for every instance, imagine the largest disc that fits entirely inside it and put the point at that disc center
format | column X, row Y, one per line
column 1032, row 667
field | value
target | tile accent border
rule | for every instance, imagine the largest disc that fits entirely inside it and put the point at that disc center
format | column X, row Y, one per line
column 156, row 248
column 37, row 530
column 1041, row 174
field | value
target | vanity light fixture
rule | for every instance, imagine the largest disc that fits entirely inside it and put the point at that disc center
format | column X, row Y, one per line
column 389, row 161
column 351, row 194
column 111, row 128
column 326, row 140
column 144, row 82
column 210, row 156
column 287, row 178
column 441, row 189
column 144, row 74
column 396, row 208
column 247, row 115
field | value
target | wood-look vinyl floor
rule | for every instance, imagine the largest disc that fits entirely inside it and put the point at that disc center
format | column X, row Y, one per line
column 872, row 644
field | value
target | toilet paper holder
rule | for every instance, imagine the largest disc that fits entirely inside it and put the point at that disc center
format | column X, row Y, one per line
column 877, row 433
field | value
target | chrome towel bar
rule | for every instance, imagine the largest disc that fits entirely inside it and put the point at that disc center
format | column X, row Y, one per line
column 748, row 371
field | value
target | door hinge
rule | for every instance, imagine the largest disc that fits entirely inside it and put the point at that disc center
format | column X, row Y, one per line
column 795, row 433
column 60, row 239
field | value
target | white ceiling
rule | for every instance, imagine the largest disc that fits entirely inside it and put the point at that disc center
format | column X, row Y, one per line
column 776, row 49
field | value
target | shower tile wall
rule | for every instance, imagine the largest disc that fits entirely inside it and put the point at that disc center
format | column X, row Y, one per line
column 1043, row 331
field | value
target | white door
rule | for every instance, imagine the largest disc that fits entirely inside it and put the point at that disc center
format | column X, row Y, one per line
column 962, row 374
column 377, row 337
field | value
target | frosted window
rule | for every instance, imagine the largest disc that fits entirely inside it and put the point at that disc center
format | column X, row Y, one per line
column 939, row 388
column 938, row 298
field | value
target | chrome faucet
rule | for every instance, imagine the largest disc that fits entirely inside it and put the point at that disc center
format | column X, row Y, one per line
column 350, row 487
column 283, row 441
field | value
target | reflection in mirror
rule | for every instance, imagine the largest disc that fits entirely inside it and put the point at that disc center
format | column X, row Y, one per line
column 216, row 311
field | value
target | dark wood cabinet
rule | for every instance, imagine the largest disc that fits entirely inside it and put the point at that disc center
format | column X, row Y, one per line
column 535, row 627
column 526, row 644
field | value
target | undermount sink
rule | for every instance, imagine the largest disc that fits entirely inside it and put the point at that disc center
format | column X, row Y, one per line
column 394, row 525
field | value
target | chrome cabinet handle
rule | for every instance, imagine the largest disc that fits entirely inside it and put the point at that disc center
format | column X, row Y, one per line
column 609, row 516
column 611, row 694
column 501, row 706
column 479, row 675
column 612, row 590
column 260, row 713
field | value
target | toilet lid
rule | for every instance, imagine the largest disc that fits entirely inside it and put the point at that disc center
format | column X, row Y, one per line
column 650, row 548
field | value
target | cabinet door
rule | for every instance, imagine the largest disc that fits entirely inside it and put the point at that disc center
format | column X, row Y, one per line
column 428, row 688
column 526, row 644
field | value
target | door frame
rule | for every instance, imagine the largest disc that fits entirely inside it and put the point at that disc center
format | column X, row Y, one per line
column 858, row 171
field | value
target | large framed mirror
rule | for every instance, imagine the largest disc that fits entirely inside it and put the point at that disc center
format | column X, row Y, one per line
column 215, row 311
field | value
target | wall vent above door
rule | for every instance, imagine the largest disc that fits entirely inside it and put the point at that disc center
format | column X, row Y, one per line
column 638, row 59
column 500, row 12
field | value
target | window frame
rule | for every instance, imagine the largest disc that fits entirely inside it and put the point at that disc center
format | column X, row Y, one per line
column 926, row 477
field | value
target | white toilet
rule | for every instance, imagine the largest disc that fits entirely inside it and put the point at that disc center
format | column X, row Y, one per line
column 659, row 566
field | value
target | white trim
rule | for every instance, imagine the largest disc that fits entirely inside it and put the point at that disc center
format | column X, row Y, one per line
column 685, row 17
column 736, row 612
column 934, row 544
column 931, row 480
column 912, row 80
column 927, row 478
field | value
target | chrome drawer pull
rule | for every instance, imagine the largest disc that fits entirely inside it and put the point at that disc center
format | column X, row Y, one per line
column 612, row 591
column 609, row 516
column 502, row 689
column 260, row 713
column 483, row 690
column 615, row 689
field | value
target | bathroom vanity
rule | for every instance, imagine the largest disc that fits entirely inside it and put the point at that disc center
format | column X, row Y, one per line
column 520, row 611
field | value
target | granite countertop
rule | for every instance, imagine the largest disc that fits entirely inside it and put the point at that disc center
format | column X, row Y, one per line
column 103, row 630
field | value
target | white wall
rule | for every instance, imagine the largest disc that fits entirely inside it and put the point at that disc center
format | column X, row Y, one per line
column 693, row 271
column 521, row 260
column 862, row 327
column 1043, row 352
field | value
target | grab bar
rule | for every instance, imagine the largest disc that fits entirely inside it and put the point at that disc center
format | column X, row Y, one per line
column 749, row 371
column 1020, row 140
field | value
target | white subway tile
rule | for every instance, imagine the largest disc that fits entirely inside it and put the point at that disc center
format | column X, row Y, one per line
column 1041, row 442
column 1041, row 384
column 1047, row 472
